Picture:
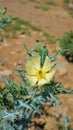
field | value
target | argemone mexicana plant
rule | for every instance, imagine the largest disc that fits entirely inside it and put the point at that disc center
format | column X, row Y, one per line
column 19, row 102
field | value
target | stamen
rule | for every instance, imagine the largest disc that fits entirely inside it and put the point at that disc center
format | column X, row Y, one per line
column 40, row 73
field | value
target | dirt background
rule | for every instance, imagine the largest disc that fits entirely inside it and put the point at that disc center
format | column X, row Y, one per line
column 56, row 21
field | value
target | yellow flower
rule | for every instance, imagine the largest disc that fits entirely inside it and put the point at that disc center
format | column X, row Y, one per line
column 37, row 74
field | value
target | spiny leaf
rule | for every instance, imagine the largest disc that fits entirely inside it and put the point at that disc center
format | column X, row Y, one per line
column 30, row 53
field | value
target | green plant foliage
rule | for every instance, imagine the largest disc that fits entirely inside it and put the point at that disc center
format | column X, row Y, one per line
column 17, row 26
column 67, row 44
column 69, row 9
column 12, row 27
column 19, row 102
column 42, row 7
column 66, row 1
column 4, row 19
column 46, row 6
column 20, row 26
column 51, row 3
column 71, row 13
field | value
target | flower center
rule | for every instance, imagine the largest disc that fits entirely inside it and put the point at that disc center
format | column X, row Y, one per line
column 40, row 73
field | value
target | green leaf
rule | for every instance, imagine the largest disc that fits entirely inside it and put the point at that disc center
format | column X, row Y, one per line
column 23, row 104
column 30, row 53
column 42, row 51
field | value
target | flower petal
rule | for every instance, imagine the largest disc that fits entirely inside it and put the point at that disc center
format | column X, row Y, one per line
column 32, row 64
column 42, row 82
column 50, row 75
column 35, row 61
column 29, row 68
column 32, row 79
column 47, row 64
column 48, row 78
